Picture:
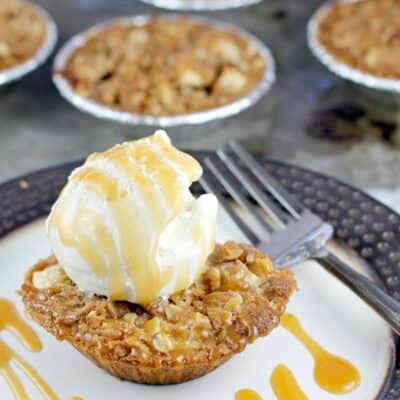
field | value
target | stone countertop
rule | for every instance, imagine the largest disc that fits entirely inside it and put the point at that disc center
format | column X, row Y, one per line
column 310, row 117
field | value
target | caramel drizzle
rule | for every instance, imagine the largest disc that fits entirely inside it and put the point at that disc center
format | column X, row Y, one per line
column 332, row 373
column 284, row 384
column 161, row 194
column 11, row 321
column 247, row 394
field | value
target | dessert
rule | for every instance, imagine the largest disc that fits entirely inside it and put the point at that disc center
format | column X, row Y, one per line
column 22, row 32
column 136, row 282
column 164, row 67
column 126, row 225
column 364, row 34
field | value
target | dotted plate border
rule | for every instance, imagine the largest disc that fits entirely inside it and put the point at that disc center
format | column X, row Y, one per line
column 361, row 223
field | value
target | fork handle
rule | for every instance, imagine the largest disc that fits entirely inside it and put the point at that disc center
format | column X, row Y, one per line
column 385, row 305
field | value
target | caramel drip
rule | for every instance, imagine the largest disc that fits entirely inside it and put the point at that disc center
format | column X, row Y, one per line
column 162, row 204
column 84, row 243
column 154, row 167
column 106, row 242
column 139, row 261
column 284, row 384
column 333, row 374
column 149, row 188
column 93, row 236
column 186, row 162
column 247, row 394
column 101, row 183
column 11, row 321
column 164, row 174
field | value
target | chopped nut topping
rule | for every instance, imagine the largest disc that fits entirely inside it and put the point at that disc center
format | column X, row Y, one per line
column 235, row 302
column 239, row 298
column 230, row 251
column 49, row 277
column 172, row 312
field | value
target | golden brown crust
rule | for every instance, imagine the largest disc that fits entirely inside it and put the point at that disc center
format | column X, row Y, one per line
column 165, row 67
column 161, row 375
column 22, row 32
column 364, row 35
column 239, row 298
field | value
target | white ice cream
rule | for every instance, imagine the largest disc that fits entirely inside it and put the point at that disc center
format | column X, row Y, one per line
column 127, row 226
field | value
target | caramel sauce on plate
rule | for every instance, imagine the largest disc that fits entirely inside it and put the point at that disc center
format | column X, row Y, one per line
column 11, row 321
column 332, row 373
column 247, row 394
column 284, row 384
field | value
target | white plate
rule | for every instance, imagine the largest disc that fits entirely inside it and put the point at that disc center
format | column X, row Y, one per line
column 336, row 318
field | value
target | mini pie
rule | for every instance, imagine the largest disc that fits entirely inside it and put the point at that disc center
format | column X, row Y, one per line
column 164, row 67
column 22, row 32
column 239, row 298
column 365, row 35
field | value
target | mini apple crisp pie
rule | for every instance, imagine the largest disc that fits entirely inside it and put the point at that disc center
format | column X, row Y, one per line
column 238, row 298
column 22, row 32
column 164, row 67
column 136, row 282
column 365, row 35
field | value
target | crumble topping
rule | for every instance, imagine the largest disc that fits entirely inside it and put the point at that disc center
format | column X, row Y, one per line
column 164, row 67
column 22, row 32
column 365, row 35
column 240, row 297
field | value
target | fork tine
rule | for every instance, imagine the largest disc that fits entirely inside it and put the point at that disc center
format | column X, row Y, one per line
column 232, row 187
column 279, row 217
column 276, row 190
column 209, row 186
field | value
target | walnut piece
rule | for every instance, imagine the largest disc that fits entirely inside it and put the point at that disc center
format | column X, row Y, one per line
column 49, row 277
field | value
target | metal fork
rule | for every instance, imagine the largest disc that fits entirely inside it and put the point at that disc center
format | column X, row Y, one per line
column 286, row 230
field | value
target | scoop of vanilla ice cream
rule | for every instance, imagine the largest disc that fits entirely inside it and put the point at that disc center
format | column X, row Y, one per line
column 126, row 225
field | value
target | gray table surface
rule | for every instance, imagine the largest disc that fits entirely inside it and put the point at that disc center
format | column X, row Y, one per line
column 310, row 117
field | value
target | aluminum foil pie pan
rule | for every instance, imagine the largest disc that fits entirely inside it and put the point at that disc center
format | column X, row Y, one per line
column 200, row 5
column 338, row 67
column 17, row 72
column 105, row 112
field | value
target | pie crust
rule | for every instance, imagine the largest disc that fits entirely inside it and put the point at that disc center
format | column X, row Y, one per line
column 239, row 298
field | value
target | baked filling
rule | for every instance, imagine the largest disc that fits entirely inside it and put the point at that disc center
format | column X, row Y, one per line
column 22, row 32
column 164, row 67
column 365, row 35
column 239, row 298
